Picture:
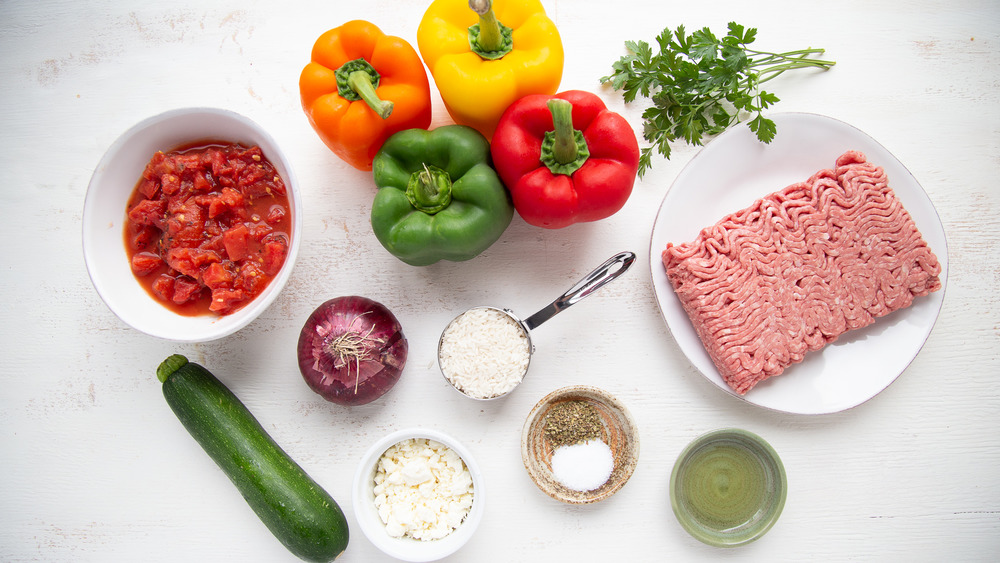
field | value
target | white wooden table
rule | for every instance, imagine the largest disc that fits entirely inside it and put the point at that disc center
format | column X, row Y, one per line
column 96, row 467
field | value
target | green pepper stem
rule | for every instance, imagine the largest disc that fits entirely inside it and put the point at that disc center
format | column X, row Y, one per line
column 429, row 190
column 489, row 28
column 564, row 148
column 361, row 82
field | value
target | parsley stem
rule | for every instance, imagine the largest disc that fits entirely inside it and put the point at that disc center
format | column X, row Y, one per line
column 773, row 71
column 787, row 54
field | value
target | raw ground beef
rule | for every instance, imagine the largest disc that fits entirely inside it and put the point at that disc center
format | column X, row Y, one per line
column 798, row 268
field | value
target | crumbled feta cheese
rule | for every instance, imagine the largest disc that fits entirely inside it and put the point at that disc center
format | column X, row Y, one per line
column 422, row 489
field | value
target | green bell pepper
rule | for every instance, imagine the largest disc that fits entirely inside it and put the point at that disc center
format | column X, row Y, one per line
column 438, row 197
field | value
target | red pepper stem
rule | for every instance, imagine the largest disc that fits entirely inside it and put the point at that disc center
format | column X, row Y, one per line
column 489, row 28
column 565, row 149
column 361, row 82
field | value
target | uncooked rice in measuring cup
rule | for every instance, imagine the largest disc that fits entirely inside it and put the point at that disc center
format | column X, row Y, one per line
column 484, row 353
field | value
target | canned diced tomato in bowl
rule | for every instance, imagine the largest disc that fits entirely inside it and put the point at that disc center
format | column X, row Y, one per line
column 191, row 224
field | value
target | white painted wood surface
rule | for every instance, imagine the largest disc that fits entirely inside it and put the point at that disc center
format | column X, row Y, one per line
column 96, row 468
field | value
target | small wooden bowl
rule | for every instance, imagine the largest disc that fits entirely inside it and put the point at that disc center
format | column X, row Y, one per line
column 619, row 433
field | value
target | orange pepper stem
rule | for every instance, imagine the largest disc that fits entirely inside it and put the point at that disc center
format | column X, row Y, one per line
column 361, row 82
column 489, row 38
column 564, row 150
column 357, row 80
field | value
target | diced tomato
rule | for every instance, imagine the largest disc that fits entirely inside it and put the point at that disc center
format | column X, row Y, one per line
column 251, row 278
column 278, row 186
column 190, row 261
column 143, row 236
column 149, row 188
column 217, row 218
column 260, row 230
column 275, row 250
column 214, row 228
column 163, row 287
column 186, row 223
column 161, row 165
column 145, row 263
column 148, row 212
column 233, row 198
column 227, row 200
column 224, row 300
column 185, row 289
column 217, row 276
column 237, row 242
column 202, row 182
column 219, row 163
column 187, row 162
column 170, row 184
column 214, row 244
column 252, row 176
column 276, row 214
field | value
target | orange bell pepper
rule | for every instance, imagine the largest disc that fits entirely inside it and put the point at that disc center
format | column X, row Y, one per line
column 360, row 87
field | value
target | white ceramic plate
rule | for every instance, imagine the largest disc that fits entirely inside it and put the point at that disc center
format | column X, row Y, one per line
column 733, row 171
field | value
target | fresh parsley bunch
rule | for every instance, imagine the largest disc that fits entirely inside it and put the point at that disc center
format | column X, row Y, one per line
column 700, row 84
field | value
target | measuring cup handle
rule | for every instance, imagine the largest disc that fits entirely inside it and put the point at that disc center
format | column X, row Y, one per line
column 609, row 270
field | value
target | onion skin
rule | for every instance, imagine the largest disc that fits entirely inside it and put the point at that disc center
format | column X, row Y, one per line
column 376, row 350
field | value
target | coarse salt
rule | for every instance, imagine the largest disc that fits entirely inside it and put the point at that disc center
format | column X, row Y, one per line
column 583, row 466
column 484, row 353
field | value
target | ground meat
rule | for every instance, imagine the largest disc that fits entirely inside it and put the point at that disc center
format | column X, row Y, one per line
column 798, row 268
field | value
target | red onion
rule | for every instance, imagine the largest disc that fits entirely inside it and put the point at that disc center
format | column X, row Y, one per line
column 351, row 350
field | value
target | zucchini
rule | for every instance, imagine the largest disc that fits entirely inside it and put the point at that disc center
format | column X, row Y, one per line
column 302, row 515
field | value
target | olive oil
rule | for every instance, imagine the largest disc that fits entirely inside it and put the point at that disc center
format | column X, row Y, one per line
column 728, row 487
column 724, row 485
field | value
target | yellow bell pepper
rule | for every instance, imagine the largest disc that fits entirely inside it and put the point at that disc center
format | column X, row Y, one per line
column 485, row 55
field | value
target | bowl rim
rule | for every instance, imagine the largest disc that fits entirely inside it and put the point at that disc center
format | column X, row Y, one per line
column 772, row 458
column 409, row 549
column 626, row 469
column 204, row 328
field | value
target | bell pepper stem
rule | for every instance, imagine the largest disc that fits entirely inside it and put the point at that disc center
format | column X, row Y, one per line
column 564, row 148
column 429, row 189
column 489, row 28
column 489, row 38
column 361, row 82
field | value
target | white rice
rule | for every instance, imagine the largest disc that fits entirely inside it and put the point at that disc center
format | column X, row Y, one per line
column 484, row 353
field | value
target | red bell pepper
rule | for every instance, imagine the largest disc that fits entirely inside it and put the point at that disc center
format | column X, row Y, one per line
column 565, row 158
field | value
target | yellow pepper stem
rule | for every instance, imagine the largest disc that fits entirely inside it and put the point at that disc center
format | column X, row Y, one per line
column 489, row 38
column 489, row 28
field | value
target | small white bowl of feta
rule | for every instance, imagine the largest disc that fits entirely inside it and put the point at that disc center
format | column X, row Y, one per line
column 418, row 495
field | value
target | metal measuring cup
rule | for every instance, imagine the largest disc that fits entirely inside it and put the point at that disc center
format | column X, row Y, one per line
column 606, row 272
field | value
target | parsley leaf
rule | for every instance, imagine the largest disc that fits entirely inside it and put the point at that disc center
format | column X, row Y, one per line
column 700, row 84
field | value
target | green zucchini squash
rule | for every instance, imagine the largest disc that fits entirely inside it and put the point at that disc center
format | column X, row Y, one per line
column 302, row 515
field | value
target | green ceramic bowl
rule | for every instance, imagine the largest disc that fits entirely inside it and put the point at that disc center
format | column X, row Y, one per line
column 728, row 487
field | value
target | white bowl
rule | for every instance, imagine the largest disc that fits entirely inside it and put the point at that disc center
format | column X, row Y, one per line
column 104, row 214
column 406, row 548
